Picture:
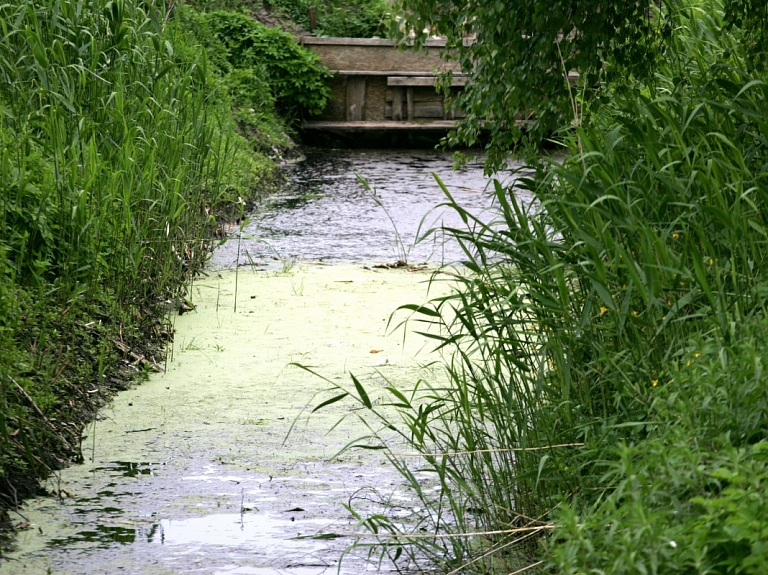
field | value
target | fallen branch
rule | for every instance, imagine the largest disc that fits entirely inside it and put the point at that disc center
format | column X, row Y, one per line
column 138, row 357
column 50, row 425
column 398, row 536
column 509, row 450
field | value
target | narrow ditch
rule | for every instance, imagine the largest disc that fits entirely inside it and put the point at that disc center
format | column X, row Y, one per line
column 194, row 471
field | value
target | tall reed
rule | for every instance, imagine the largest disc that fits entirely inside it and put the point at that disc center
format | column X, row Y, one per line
column 115, row 142
column 580, row 302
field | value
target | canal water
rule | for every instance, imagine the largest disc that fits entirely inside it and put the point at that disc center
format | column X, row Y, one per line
column 326, row 215
column 214, row 466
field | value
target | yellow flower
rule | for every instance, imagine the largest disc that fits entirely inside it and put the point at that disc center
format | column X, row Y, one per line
column 634, row 313
column 603, row 309
column 688, row 363
column 710, row 261
column 675, row 236
column 697, row 354
column 552, row 365
column 655, row 382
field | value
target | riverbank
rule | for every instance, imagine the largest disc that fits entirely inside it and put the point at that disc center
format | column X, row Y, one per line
column 124, row 152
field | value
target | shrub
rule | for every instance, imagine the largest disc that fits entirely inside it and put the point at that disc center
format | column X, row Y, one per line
column 290, row 72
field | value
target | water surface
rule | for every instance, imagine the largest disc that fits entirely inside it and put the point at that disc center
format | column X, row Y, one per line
column 324, row 213
column 194, row 471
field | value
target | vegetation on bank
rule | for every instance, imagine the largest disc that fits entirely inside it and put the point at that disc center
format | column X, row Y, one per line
column 340, row 18
column 606, row 409
column 124, row 141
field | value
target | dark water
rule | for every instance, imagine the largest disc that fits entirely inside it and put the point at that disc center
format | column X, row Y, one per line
column 326, row 214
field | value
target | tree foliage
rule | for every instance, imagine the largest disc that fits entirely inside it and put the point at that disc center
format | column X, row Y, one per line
column 519, row 54
column 750, row 16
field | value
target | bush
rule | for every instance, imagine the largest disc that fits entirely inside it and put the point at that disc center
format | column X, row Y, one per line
column 274, row 62
column 348, row 19
column 693, row 496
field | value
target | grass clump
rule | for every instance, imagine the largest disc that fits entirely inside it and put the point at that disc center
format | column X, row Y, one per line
column 606, row 346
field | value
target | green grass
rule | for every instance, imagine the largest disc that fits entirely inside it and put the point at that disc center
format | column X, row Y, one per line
column 605, row 405
column 122, row 146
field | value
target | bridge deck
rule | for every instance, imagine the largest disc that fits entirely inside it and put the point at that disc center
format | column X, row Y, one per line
column 363, row 126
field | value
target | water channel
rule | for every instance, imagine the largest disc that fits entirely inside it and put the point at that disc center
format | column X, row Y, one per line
column 193, row 471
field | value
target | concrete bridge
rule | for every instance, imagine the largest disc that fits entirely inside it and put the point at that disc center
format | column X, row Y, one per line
column 378, row 87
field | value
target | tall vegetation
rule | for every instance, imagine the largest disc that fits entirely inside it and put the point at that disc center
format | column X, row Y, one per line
column 547, row 62
column 606, row 409
column 341, row 18
column 118, row 151
column 111, row 153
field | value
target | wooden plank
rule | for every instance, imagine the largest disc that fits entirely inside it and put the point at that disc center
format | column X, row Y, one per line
column 397, row 104
column 355, row 99
column 314, row 41
column 428, row 111
column 375, row 98
column 572, row 77
column 409, row 102
column 382, row 58
column 383, row 125
column 388, row 125
column 381, row 72
column 426, row 95
column 426, row 81
column 422, row 113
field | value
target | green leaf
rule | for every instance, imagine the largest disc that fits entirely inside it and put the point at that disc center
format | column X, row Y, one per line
column 330, row 401
column 361, row 392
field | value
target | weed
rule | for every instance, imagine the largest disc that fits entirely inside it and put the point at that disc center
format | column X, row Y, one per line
column 191, row 345
column 287, row 265
column 402, row 250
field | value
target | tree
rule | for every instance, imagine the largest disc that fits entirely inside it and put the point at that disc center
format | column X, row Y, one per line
column 519, row 54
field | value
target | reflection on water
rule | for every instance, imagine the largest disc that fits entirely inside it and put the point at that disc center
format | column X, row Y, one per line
column 256, row 529
column 326, row 214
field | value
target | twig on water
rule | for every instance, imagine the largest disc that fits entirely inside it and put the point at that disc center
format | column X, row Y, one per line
column 531, row 566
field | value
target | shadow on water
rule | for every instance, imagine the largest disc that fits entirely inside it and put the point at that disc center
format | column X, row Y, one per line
column 214, row 530
column 102, row 537
column 127, row 468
